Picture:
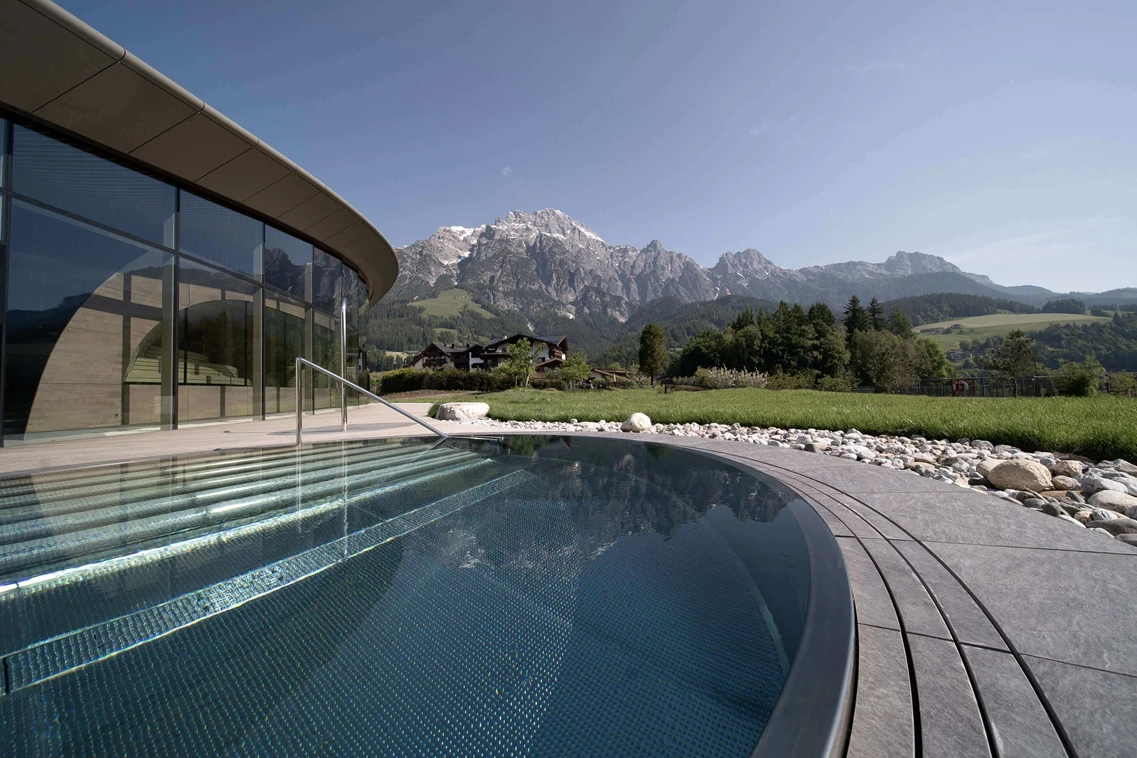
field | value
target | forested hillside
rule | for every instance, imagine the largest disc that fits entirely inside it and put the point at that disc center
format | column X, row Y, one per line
column 928, row 309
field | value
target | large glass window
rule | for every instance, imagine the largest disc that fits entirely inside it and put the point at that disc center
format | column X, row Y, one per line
column 327, row 275
column 3, row 152
column 288, row 263
column 215, row 354
column 218, row 234
column 326, row 353
column 84, row 184
column 284, row 328
column 84, row 322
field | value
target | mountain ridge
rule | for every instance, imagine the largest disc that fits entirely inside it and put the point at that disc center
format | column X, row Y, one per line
column 547, row 262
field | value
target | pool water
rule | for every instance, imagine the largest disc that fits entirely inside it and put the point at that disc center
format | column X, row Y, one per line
column 546, row 597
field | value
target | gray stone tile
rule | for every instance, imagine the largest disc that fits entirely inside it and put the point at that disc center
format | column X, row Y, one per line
column 1096, row 708
column 834, row 523
column 979, row 519
column 882, row 717
column 1067, row 606
column 967, row 619
column 1018, row 721
column 950, row 724
column 851, row 519
column 862, row 477
column 870, row 597
column 879, row 522
column 917, row 610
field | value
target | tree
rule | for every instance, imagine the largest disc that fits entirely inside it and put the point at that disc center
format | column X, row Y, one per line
column 521, row 362
column 707, row 349
column 575, row 369
column 743, row 320
column 1015, row 359
column 744, row 348
column 899, row 323
column 876, row 315
column 856, row 320
column 888, row 361
column 1079, row 379
column 653, row 351
column 938, row 363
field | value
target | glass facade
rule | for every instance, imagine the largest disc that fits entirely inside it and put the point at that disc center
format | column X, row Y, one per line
column 133, row 303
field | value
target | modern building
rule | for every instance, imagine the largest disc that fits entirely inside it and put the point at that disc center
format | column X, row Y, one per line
column 550, row 352
column 160, row 265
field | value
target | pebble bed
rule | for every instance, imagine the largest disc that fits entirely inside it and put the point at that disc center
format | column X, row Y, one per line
column 1100, row 496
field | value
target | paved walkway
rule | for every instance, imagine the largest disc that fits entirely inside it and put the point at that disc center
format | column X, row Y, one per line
column 984, row 628
column 364, row 422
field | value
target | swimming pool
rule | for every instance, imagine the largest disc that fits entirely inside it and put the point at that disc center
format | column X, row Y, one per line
column 538, row 596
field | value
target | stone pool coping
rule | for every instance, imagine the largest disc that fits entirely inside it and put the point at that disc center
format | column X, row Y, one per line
column 983, row 628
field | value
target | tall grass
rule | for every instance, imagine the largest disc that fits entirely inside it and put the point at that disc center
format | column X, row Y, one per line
column 1099, row 427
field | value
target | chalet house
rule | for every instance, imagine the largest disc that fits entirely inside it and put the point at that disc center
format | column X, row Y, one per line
column 551, row 353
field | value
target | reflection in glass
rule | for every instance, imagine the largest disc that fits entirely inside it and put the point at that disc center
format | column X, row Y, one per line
column 87, row 185
column 218, row 234
column 284, row 343
column 84, row 326
column 326, row 353
column 3, row 154
column 327, row 282
column 287, row 263
column 215, row 357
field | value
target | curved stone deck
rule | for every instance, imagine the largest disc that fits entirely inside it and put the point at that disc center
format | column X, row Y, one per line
column 983, row 628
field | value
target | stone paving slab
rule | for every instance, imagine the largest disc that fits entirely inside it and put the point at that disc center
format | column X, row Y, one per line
column 968, row 621
column 1019, row 723
column 870, row 597
column 882, row 721
column 950, row 723
column 1096, row 707
column 955, row 515
column 918, row 612
column 1067, row 606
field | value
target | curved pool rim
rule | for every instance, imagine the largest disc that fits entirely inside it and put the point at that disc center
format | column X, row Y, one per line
column 813, row 711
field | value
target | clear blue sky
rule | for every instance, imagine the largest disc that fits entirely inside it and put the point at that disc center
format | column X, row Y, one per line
column 1002, row 136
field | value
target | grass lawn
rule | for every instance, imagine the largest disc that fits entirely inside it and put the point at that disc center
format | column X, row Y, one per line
column 450, row 303
column 1100, row 427
column 979, row 328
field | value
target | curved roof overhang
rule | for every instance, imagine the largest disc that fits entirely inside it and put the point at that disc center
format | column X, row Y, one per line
column 62, row 72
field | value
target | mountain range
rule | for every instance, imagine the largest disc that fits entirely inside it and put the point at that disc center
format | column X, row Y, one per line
column 549, row 263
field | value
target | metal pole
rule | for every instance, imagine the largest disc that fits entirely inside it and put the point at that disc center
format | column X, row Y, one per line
column 343, row 363
column 299, row 399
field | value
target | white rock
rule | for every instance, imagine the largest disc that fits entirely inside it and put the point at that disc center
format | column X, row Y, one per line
column 1114, row 501
column 1020, row 474
column 462, row 411
column 637, row 422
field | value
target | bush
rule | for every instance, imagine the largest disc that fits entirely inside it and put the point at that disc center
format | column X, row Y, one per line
column 835, row 384
column 1122, row 384
column 800, row 381
column 449, row 378
column 551, row 383
column 723, row 378
column 1079, row 379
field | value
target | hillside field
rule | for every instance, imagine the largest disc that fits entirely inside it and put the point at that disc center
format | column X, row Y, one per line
column 450, row 303
column 1100, row 427
column 981, row 327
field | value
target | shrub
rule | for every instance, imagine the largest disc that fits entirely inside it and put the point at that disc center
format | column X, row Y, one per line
column 1079, row 379
column 551, row 383
column 449, row 378
column 1122, row 384
column 726, row 378
column 835, row 384
column 799, row 381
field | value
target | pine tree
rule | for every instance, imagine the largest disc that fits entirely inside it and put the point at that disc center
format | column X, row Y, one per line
column 876, row 315
column 856, row 320
column 899, row 323
column 743, row 320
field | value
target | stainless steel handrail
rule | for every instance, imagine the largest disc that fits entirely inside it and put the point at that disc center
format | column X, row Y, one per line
column 344, row 383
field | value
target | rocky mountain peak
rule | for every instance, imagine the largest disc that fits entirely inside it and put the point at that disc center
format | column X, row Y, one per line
column 903, row 263
column 547, row 221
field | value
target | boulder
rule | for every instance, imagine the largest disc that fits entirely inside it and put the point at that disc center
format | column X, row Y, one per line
column 816, row 447
column 1114, row 501
column 988, row 465
column 1065, row 482
column 1117, row 526
column 1101, row 514
column 1066, row 468
column 1092, row 484
column 637, row 422
column 462, row 411
column 1128, row 539
column 1020, row 474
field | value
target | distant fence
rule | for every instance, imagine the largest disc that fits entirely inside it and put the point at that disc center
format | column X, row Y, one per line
column 983, row 386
